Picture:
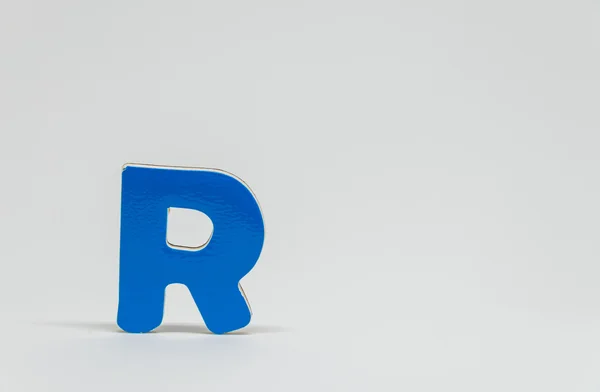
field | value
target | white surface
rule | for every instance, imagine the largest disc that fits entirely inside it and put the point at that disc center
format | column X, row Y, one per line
column 188, row 229
column 428, row 173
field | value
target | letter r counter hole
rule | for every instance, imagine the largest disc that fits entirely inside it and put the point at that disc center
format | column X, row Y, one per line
column 188, row 229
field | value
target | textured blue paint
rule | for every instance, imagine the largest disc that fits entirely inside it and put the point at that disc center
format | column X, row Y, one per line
column 212, row 274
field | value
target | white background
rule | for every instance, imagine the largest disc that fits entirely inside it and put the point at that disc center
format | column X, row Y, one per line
column 427, row 170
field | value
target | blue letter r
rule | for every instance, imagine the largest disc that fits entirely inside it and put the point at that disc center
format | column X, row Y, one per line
column 212, row 274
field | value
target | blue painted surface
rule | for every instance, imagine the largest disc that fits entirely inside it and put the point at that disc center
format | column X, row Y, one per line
column 148, row 264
